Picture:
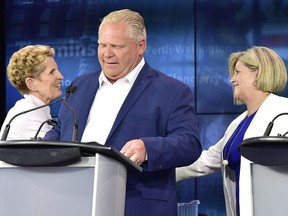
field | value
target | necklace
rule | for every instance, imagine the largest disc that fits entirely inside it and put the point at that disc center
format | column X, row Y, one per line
column 235, row 134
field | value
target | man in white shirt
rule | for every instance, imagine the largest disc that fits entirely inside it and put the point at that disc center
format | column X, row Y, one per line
column 143, row 113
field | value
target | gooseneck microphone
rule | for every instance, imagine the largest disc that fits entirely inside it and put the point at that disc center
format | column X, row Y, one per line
column 271, row 124
column 49, row 122
column 7, row 127
column 75, row 128
column 69, row 90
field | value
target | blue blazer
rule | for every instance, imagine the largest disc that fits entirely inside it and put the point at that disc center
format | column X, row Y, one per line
column 159, row 110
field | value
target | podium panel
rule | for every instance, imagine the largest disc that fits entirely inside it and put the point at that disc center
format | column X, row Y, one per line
column 93, row 186
column 270, row 191
column 109, row 187
column 54, row 178
column 269, row 173
column 47, row 191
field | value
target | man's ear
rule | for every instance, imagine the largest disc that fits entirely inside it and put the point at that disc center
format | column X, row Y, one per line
column 142, row 47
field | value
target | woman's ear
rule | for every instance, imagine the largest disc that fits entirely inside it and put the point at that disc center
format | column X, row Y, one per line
column 30, row 84
column 257, row 73
column 255, row 83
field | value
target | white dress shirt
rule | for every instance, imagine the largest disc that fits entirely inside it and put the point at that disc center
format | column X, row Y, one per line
column 25, row 126
column 107, row 103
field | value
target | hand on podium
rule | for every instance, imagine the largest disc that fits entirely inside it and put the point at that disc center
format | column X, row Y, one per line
column 135, row 150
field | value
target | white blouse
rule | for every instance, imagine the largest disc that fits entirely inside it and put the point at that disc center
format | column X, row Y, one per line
column 25, row 126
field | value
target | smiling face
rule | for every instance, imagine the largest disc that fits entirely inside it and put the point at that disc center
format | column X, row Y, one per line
column 48, row 85
column 243, row 82
column 118, row 54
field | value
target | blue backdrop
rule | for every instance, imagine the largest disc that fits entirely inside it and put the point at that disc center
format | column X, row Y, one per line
column 189, row 40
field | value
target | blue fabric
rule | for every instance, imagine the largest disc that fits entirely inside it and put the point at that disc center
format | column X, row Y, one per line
column 231, row 152
column 159, row 110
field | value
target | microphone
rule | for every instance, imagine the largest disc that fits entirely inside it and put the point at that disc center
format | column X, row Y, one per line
column 71, row 90
column 49, row 122
column 7, row 127
column 271, row 124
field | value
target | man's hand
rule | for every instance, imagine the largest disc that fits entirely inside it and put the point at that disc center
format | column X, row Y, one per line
column 135, row 150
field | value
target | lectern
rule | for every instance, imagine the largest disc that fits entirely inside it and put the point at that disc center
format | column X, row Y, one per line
column 269, row 173
column 47, row 178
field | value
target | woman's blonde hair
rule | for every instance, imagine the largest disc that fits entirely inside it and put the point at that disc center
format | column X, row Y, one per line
column 27, row 62
column 271, row 69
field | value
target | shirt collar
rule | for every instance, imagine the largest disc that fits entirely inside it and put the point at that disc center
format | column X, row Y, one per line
column 33, row 99
column 129, row 78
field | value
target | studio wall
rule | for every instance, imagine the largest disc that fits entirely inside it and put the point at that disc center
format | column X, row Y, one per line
column 189, row 40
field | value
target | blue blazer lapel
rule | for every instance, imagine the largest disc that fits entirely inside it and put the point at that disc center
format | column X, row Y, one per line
column 91, row 87
column 138, row 87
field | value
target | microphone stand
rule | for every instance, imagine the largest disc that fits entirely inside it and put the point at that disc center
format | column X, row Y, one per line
column 75, row 128
column 271, row 124
column 49, row 122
